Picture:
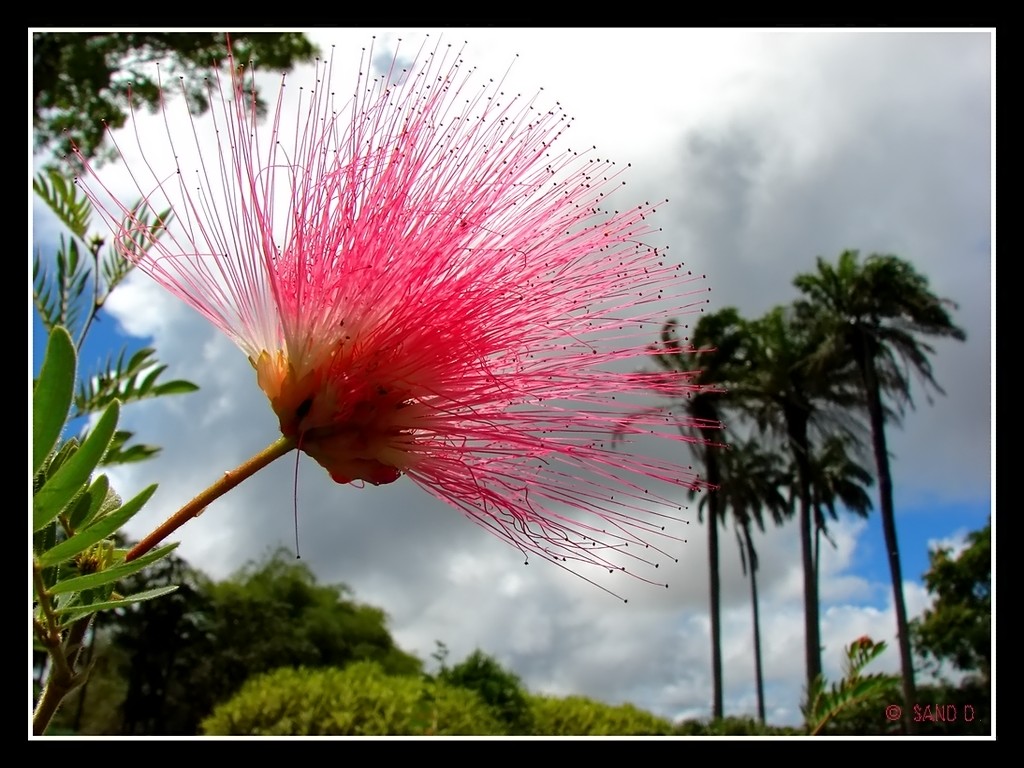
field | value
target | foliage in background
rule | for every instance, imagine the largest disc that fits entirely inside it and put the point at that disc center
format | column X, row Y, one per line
column 314, row 625
column 178, row 657
column 80, row 79
column 958, row 626
column 580, row 716
column 158, row 660
column 360, row 700
column 732, row 726
column 823, row 705
column 501, row 690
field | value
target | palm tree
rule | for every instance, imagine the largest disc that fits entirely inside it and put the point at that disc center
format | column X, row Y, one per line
column 789, row 400
column 751, row 480
column 875, row 313
column 709, row 355
column 835, row 477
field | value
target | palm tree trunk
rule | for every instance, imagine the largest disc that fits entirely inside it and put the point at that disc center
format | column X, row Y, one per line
column 717, row 709
column 758, row 671
column 888, row 513
column 812, row 632
column 817, row 554
column 797, row 428
column 715, row 478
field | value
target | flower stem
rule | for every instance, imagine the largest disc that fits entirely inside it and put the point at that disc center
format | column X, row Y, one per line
column 63, row 678
column 275, row 450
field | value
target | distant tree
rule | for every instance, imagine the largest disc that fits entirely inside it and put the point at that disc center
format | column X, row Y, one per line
column 836, row 477
column 158, row 644
column 874, row 315
column 795, row 405
column 174, row 659
column 709, row 355
column 80, row 79
column 958, row 626
column 500, row 689
column 751, row 481
column 272, row 613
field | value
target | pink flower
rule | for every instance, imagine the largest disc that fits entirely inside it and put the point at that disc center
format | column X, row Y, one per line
column 428, row 284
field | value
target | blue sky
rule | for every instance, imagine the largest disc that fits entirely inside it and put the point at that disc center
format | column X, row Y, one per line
column 918, row 524
column 773, row 147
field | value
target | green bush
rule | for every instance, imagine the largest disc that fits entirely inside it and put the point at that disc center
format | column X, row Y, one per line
column 500, row 689
column 360, row 700
column 733, row 726
column 579, row 716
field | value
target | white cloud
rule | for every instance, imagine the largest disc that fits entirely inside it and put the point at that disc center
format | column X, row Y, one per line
column 955, row 543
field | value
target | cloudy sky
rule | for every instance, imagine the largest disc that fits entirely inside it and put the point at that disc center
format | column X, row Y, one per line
column 772, row 147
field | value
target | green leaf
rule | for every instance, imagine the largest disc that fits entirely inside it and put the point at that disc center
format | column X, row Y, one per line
column 99, row 530
column 42, row 294
column 140, row 358
column 74, row 612
column 51, row 397
column 127, row 381
column 176, row 387
column 41, row 541
column 89, row 505
column 69, row 479
column 119, row 454
column 110, row 575
column 58, row 293
column 145, row 235
column 82, row 599
column 79, row 508
column 53, row 464
column 150, row 380
column 63, row 198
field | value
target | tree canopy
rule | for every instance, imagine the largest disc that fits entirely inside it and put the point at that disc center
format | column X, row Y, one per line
column 500, row 689
column 176, row 658
column 80, row 80
column 876, row 316
column 958, row 626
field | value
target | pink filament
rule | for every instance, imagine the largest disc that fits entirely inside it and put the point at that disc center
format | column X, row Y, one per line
column 440, row 234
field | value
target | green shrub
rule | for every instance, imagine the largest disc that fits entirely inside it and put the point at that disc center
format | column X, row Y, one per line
column 733, row 726
column 579, row 716
column 359, row 700
column 500, row 689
